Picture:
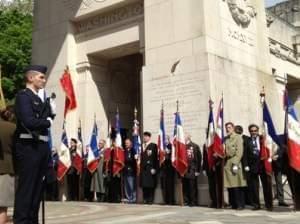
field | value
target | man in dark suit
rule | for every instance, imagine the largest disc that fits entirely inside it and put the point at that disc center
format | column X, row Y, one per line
column 254, row 145
column 32, row 152
column 189, row 181
column 149, row 168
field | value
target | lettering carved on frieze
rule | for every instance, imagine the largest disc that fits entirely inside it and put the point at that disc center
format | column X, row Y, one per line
column 120, row 14
column 242, row 11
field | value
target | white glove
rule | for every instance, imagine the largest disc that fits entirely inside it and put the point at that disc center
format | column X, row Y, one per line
column 136, row 156
column 275, row 157
column 153, row 171
column 197, row 174
column 235, row 169
column 204, row 173
column 247, row 169
column 49, row 119
column 53, row 106
column 270, row 160
column 168, row 151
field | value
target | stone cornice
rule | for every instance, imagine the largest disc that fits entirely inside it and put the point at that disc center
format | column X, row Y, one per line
column 283, row 52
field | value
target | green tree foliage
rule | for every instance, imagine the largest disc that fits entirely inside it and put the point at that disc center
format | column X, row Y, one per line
column 15, row 47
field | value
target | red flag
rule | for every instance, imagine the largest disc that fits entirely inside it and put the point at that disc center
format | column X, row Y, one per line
column 67, row 85
column 119, row 160
column 78, row 160
column 265, row 156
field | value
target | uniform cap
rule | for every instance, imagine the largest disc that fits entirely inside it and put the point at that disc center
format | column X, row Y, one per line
column 147, row 133
column 36, row 68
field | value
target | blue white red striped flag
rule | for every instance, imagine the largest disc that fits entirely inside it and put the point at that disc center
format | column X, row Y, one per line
column 161, row 142
column 179, row 154
column 93, row 152
column 64, row 157
column 293, row 134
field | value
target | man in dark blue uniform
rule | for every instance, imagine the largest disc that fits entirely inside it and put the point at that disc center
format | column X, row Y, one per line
column 34, row 117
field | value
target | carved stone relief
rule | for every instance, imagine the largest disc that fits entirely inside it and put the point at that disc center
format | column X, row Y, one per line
column 242, row 11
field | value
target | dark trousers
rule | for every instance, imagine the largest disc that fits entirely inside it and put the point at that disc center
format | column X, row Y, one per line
column 190, row 191
column 211, row 175
column 253, row 189
column 279, row 186
column 32, row 161
column 86, row 182
column 295, row 182
column 148, row 195
column 219, row 178
column 73, row 186
column 114, row 190
column 236, row 197
column 168, row 188
column 266, row 181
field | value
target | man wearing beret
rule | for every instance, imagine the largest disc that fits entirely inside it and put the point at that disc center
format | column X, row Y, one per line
column 34, row 117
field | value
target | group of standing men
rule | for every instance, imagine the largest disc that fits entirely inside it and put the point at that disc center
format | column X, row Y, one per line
column 117, row 180
column 240, row 168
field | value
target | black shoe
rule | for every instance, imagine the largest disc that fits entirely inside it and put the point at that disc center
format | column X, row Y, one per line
column 283, row 204
column 255, row 208
column 269, row 209
column 240, row 208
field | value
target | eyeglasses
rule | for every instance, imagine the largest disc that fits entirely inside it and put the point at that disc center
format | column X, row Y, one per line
column 255, row 130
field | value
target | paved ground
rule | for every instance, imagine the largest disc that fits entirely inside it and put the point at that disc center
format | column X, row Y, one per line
column 103, row 213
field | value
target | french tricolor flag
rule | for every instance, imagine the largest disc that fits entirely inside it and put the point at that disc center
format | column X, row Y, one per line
column 219, row 134
column 79, row 151
column 270, row 139
column 210, row 136
column 161, row 142
column 137, row 145
column 93, row 152
column 293, row 131
column 119, row 156
column 64, row 157
column 179, row 155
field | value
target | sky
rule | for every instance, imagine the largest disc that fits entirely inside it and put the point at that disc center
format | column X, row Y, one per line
column 273, row 2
